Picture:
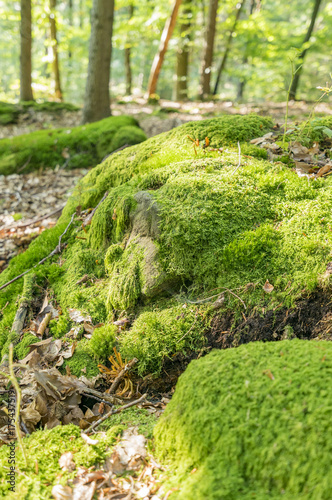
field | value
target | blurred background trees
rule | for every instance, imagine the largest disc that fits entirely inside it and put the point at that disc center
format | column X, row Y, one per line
column 255, row 38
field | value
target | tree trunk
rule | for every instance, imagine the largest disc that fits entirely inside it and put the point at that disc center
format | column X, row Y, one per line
column 222, row 66
column 70, row 19
column 299, row 67
column 208, row 50
column 97, row 95
column 159, row 58
column 182, row 56
column 25, row 59
column 55, row 58
column 243, row 81
column 128, row 57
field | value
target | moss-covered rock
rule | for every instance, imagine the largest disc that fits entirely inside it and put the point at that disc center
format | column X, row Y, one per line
column 44, row 448
column 252, row 422
column 9, row 112
column 82, row 146
column 177, row 225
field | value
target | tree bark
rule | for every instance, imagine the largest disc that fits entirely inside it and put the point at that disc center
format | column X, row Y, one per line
column 55, row 58
column 208, row 50
column 159, row 58
column 182, row 56
column 70, row 19
column 25, row 57
column 299, row 67
column 97, row 96
column 128, row 58
column 222, row 66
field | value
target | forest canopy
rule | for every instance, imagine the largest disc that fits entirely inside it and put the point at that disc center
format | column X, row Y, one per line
column 260, row 39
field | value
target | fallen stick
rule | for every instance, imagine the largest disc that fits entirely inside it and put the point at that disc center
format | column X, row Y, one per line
column 113, row 412
column 119, row 377
column 91, row 214
column 34, row 221
column 54, row 252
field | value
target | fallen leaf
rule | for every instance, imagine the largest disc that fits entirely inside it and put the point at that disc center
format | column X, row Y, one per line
column 60, row 492
column 87, row 439
column 66, row 462
column 268, row 288
column 324, row 169
column 78, row 317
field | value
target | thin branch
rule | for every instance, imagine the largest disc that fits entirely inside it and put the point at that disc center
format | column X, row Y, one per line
column 54, row 252
column 88, row 219
column 113, row 412
column 34, row 221
column 230, row 291
column 119, row 377
column 183, row 336
column 239, row 164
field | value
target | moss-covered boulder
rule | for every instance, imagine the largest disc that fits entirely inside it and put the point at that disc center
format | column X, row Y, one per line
column 9, row 112
column 82, row 146
column 252, row 422
column 179, row 226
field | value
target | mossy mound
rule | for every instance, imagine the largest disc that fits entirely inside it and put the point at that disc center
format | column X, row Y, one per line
column 9, row 112
column 252, row 422
column 82, row 146
column 178, row 226
column 43, row 449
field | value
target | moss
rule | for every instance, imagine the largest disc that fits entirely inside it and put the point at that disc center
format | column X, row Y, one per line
column 102, row 342
column 133, row 417
column 22, row 349
column 216, row 230
column 9, row 112
column 125, row 136
column 59, row 327
column 254, row 151
column 49, row 148
column 160, row 334
column 82, row 362
column 45, row 448
column 253, row 422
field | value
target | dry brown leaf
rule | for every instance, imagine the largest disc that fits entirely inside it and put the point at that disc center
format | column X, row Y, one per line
column 268, row 288
column 60, row 492
column 87, row 439
column 66, row 461
column 78, row 317
column 324, row 169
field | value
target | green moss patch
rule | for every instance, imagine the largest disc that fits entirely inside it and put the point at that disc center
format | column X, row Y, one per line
column 43, row 449
column 82, row 146
column 9, row 112
column 252, row 422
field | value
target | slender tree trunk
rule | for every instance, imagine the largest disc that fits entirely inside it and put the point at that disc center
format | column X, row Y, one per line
column 223, row 62
column 243, row 81
column 55, row 58
column 182, row 56
column 299, row 67
column 70, row 19
column 159, row 58
column 97, row 95
column 25, row 59
column 208, row 50
column 128, row 57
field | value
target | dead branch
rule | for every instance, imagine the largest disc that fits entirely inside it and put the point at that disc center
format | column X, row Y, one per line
column 54, row 252
column 113, row 412
column 34, row 221
column 119, row 377
column 88, row 219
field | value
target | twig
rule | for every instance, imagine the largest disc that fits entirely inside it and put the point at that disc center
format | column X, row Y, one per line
column 88, row 219
column 14, row 382
column 119, row 377
column 230, row 291
column 25, row 165
column 4, row 307
column 239, row 164
column 116, row 151
column 34, row 221
column 54, row 252
column 113, row 412
column 183, row 336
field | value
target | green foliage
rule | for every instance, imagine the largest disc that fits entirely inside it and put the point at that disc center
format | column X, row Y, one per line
column 46, row 148
column 159, row 334
column 254, row 421
column 102, row 342
column 45, row 447
column 133, row 417
column 59, row 327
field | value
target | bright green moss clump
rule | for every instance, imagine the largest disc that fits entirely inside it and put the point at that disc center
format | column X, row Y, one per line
column 103, row 341
column 255, row 423
column 45, row 447
column 82, row 146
